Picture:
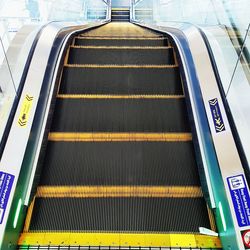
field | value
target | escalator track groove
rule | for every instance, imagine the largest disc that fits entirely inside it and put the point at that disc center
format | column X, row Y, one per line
column 120, row 167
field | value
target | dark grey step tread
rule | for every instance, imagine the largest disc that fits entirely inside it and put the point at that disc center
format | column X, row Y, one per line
column 125, row 15
column 120, row 42
column 120, row 163
column 121, row 56
column 125, row 12
column 120, row 214
column 125, row 21
column 120, row 18
column 120, row 115
column 121, row 81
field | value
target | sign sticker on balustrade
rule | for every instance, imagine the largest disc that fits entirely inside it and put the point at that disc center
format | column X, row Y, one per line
column 240, row 198
column 25, row 111
column 216, row 114
column 6, row 182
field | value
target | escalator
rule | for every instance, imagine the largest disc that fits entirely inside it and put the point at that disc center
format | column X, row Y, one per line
column 120, row 167
column 120, row 14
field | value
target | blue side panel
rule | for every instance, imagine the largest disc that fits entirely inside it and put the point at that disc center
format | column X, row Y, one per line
column 241, row 199
column 217, row 117
column 6, row 183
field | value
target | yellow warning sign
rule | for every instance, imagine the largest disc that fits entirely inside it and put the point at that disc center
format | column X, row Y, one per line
column 25, row 111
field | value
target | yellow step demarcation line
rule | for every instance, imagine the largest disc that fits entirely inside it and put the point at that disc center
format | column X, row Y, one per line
column 118, row 9
column 119, row 240
column 119, row 38
column 120, row 15
column 29, row 215
column 121, row 47
column 109, row 137
column 119, row 191
column 120, row 66
column 211, row 219
column 92, row 96
column 112, row 192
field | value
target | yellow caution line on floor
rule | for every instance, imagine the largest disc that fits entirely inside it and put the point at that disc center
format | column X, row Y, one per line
column 105, row 137
column 120, row 240
column 120, row 47
column 119, row 191
column 119, row 66
column 92, row 96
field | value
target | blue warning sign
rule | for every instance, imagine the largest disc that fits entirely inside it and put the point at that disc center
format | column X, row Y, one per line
column 241, row 199
column 6, row 182
column 216, row 114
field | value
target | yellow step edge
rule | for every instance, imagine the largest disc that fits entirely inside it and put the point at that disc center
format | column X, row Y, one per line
column 120, row 240
column 211, row 219
column 109, row 137
column 119, row 38
column 92, row 96
column 29, row 215
column 119, row 66
column 119, row 191
column 121, row 47
column 117, row 9
column 121, row 14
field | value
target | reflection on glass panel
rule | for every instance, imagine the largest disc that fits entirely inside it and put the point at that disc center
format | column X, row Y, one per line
column 238, row 96
column 7, row 90
column 19, row 23
column 15, row 13
column 95, row 10
column 226, row 24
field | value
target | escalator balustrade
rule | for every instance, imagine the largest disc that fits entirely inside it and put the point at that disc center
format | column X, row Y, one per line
column 120, row 160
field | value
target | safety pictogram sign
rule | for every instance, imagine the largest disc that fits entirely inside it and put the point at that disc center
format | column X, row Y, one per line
column 25, row 111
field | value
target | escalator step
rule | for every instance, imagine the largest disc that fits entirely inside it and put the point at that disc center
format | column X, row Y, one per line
column 120, row 163
column 120, row 18
column 120, row 115
column 121, row 42
column 143, row 56
column 120, row 214
column 121, row 81
column 121, row 30
column 120, row 12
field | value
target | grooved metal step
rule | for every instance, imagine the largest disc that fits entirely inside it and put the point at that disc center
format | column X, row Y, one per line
column 121, row 56
column 119, row 214
column 120, row 163
column 121, row 42
column 120, row 115
column 121, row 81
